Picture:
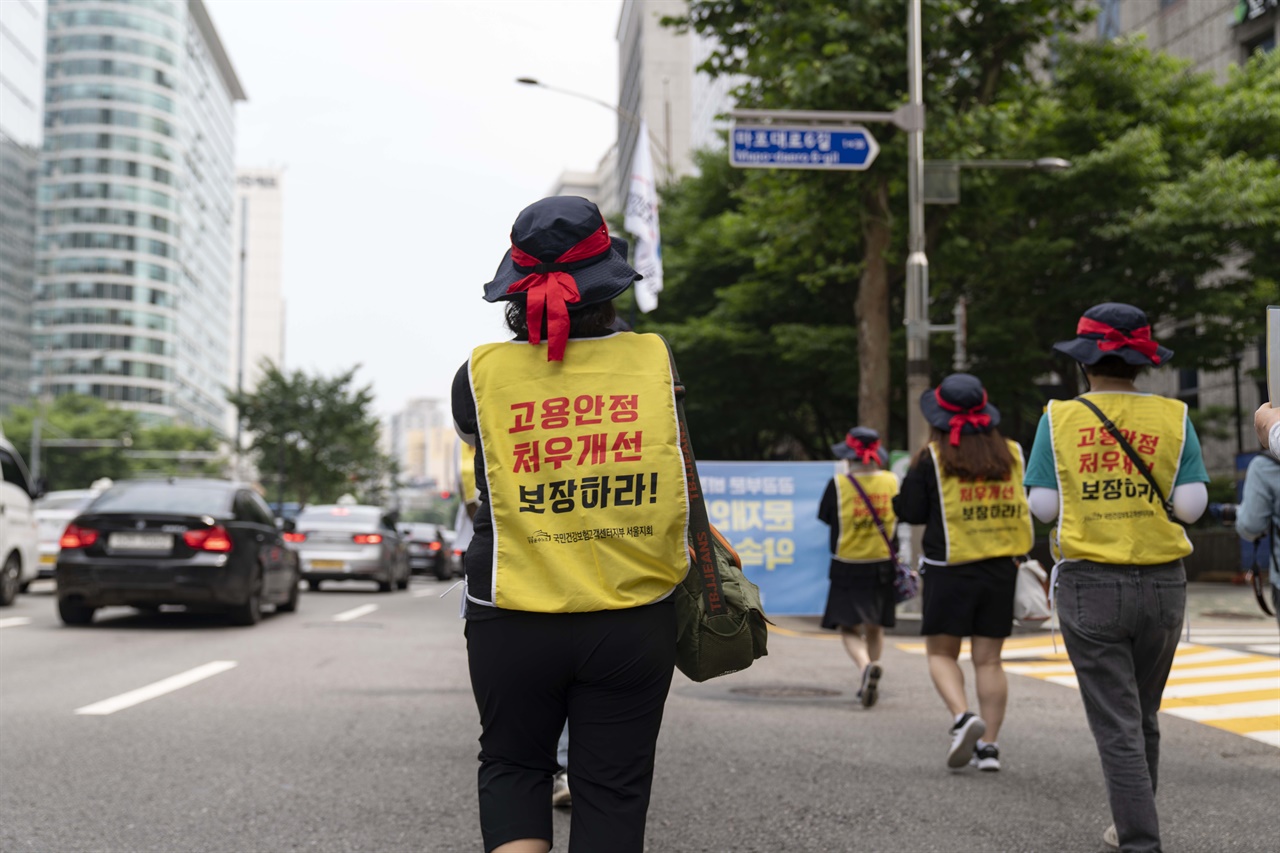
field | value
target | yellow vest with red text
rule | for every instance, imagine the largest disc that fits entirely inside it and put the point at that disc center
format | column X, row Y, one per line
column 1110, row 513
column 586, row 480
column 984, row 518
column 859, row 539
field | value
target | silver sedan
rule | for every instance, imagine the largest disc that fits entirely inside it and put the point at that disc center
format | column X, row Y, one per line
column 337, row 542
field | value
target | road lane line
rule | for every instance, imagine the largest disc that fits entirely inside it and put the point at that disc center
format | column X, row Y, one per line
column 1204, row 713
column 355, row 613
column 14, row 622
column 422, row 593
column 160, row 688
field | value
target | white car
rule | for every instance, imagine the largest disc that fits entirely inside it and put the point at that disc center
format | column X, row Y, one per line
column 54, row 511
column 18, row 550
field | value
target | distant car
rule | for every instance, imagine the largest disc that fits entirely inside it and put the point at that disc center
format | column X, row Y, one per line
column 18, row 549
column 349, row 542
column 54, row 511
column 455, row 554
column 206, row 544
column 427, row 549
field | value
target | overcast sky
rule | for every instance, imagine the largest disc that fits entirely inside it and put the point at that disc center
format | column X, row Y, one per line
column 408, row 150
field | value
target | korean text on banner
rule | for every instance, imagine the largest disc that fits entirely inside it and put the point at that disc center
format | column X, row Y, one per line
column 642, row 221
column 769, row 513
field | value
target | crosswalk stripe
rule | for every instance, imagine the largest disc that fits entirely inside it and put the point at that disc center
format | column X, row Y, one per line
column 1271, row 649
column 1232, row 690
column 1205, row 713
column 1224, row 670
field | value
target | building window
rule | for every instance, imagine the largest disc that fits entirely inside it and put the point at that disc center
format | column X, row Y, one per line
column 1189, row 387
column 1108, row 20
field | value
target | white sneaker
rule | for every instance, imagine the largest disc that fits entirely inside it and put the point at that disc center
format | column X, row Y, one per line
column 560, row 797
column 870, row 691
column 986, row 757
column 1111, row 838
column 964, row 737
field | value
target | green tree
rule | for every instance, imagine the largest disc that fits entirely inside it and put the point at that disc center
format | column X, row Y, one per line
column 834, row 239
column 74, row 417
column 321, row 431
column 1171, row 204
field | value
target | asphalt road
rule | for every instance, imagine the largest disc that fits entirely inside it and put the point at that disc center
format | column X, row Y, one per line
column 340, row 728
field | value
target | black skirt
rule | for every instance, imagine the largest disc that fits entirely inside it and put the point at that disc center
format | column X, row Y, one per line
column 860, row 594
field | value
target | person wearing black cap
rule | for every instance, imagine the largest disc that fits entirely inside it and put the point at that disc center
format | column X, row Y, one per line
column 857, row 506
column 1119, row 469
column 965, row 487
column 579, row 538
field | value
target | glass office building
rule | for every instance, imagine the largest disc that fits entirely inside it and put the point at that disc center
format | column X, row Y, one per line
column 136, row 195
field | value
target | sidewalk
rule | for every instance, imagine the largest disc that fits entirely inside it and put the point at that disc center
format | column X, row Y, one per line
column 1208, row 604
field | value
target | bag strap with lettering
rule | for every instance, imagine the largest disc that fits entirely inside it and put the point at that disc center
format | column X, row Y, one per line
column 1137, row 460
column 699, row 523
column 875, row 516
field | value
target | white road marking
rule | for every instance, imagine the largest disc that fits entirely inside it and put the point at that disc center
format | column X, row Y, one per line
column 1272, row 649
column 160, row 688
column 1179, row 673
column 355, row 613
column 422, row 593
column 14, row 621
column 1234, row 711
column 1211, row 688
column 1268, row 737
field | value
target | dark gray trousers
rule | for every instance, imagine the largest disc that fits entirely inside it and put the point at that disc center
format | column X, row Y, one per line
column 1121, row 626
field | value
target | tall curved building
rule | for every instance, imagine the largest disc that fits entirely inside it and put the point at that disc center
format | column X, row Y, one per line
column 136, row 195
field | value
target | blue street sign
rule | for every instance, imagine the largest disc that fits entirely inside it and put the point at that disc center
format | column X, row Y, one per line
column 774, row 146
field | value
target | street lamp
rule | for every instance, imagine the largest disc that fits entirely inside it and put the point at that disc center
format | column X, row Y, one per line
column 629, row 117
column 942, row 177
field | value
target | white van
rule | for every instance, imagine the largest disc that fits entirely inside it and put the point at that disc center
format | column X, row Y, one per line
column 18, row 551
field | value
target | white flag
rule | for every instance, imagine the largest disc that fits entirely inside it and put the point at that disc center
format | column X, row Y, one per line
column 642, row 221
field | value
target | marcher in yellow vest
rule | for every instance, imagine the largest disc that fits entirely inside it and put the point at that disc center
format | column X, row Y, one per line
column 860, row 601
column 1121, row 586
column 579, row 537
column 965, row 487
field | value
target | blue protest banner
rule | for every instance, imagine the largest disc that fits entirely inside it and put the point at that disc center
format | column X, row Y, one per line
column 769, row 512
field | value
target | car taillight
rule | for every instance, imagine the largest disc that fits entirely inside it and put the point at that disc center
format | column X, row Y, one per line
column 458, row 552
column 367, row 538
column 434, row 546
column 295, row 537
column 208, row 539
column 77, row 537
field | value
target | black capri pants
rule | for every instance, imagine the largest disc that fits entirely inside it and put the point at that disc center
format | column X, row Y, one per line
column 609, row 673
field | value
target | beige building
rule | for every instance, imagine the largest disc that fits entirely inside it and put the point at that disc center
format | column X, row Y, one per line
column 422, row 440
column 257, row 296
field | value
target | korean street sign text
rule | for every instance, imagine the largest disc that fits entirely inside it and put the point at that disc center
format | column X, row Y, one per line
column 802, row 147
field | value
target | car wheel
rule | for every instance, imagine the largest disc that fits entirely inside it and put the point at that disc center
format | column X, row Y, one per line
column 291, row 603
column 10, row 580
column 403, row 583
column 314, row 586
column 442, row 570
column 250, row 612
column 75, row 613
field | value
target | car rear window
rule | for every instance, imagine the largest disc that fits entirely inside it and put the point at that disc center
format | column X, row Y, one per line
column 63, row 501
column 169, row 498
column 340, row 516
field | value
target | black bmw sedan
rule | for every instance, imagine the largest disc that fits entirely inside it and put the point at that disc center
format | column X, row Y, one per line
column 206, row 544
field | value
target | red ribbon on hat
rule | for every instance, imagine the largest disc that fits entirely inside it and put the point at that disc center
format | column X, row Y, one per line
column 554, row 291
column 1114, row 339
column 867, row 453
column 963, row 416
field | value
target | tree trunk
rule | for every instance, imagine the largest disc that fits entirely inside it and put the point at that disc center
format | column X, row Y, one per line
column 871, row 313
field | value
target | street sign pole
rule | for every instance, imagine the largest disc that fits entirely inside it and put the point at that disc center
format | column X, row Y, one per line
column 917, row 297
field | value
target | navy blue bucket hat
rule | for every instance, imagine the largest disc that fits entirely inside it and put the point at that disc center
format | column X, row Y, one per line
column 862, row 444
column 561, row 258
column 959, row 406
column 1114, row 329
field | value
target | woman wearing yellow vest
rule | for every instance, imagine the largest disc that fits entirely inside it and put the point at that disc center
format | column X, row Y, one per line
column 579, row 538
column 857, row 505
column 966, row 488
column 1121, row 587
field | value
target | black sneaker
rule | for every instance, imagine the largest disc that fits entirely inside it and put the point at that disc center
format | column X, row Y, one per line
column 964, row 737
column 870, row 691
column 986, row 757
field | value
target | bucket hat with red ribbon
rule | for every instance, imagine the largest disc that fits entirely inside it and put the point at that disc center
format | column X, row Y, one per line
column 1114, row 328
column 561, row 258
column 959, row 406
column 863, row 445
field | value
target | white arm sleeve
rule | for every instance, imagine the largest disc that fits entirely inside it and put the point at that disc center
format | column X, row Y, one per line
column 1044, row 503
column 1189, row 501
